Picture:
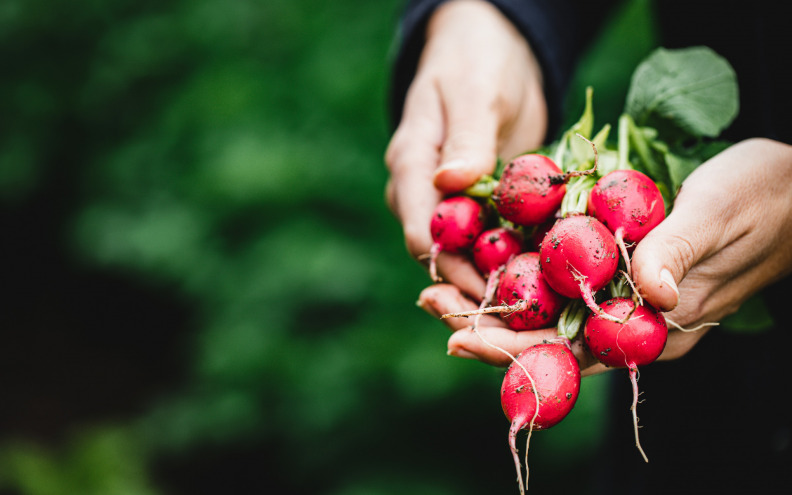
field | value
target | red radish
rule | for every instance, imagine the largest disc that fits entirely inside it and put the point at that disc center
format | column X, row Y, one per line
column 629, row 204
column 532, row 187
column 637, row 342
column 535, row 241
column 494, row 247
column 527, row 301
column 522, row 280
column 456, row 223
column 491, row 251
column 530, row 190
column 539, row 390
column 579, row 257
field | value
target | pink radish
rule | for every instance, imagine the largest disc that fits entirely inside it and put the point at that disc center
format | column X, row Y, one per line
column 456, row 223
column 637, row 342
column 539, row 390
column 535, row 241
column 491, row 251
column 527, row 301
column 494, row 247
column 522, row 280
column 532, row 187
column 579, row 257
column 629, row 204
column 530, row 190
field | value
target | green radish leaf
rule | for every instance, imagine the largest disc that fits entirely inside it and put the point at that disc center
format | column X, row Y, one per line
column 679, row 167
column 694, row 88
column 483, row 187
column 648, row 153
column 581, row 150
column 499, row 166
column 608, row 161
column 683, row 162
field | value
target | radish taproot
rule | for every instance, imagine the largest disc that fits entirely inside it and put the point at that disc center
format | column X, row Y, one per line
column 539, row 390
column 637, row 342
column 629, row 204
column 456, row 223
column 579, row 257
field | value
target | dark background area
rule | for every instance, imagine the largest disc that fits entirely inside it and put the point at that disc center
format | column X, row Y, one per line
column 205, row 292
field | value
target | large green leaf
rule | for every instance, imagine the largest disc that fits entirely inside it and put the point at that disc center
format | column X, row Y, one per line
column 694, row 88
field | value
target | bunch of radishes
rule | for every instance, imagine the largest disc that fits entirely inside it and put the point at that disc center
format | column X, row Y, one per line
column 553, row 231
column 555, row 249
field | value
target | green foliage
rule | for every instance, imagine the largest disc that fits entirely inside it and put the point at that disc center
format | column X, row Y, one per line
column 99, row 461
column 693, row 87
column 752, row 317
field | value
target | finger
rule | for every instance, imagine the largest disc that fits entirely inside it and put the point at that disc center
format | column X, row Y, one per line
column 470, row 145
column 663, row 258
column 412, row 158
column 441, row 299
column 495, row 345
column 457, row 269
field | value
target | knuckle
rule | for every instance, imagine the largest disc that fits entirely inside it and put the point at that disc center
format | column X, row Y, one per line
column 683, row 252
column 393, row 152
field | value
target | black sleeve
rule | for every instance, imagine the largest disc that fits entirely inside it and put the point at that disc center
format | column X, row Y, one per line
column 557, row 30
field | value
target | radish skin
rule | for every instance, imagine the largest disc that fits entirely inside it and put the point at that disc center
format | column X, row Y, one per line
column 522, row 280
column 629, row 204
column 494, row 248
column 491, row 251
column 456, row 223
column 530, row 190
column 579, row 257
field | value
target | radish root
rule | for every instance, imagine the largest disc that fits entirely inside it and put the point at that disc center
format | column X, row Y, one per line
column 588, row 298
column 520, row 305
column 434, row 252
column 619, row 236
column 683, row 329
column 634, row 408
column 583, row 173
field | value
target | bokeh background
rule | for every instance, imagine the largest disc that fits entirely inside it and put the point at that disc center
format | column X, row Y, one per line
column 205, row 292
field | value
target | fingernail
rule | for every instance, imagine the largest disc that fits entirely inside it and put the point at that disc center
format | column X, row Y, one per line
column 667, row 278
column 427, row 307
column 453, row 165
column 462, row 353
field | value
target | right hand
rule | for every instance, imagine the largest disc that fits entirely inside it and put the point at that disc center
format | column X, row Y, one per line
column 477, row 95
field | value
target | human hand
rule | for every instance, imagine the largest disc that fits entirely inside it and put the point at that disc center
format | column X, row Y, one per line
column 728, row 236
column 477, row 95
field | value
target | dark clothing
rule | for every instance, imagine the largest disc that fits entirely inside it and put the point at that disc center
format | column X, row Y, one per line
column 713, row 421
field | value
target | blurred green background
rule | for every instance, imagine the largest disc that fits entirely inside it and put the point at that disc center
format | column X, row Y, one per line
column 205, row 292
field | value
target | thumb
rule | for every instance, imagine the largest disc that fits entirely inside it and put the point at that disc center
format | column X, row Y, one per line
column 663, row 258
column 469, row 150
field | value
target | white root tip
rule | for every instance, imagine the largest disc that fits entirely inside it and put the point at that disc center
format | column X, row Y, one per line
column 634, row 409
column 699, row 327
